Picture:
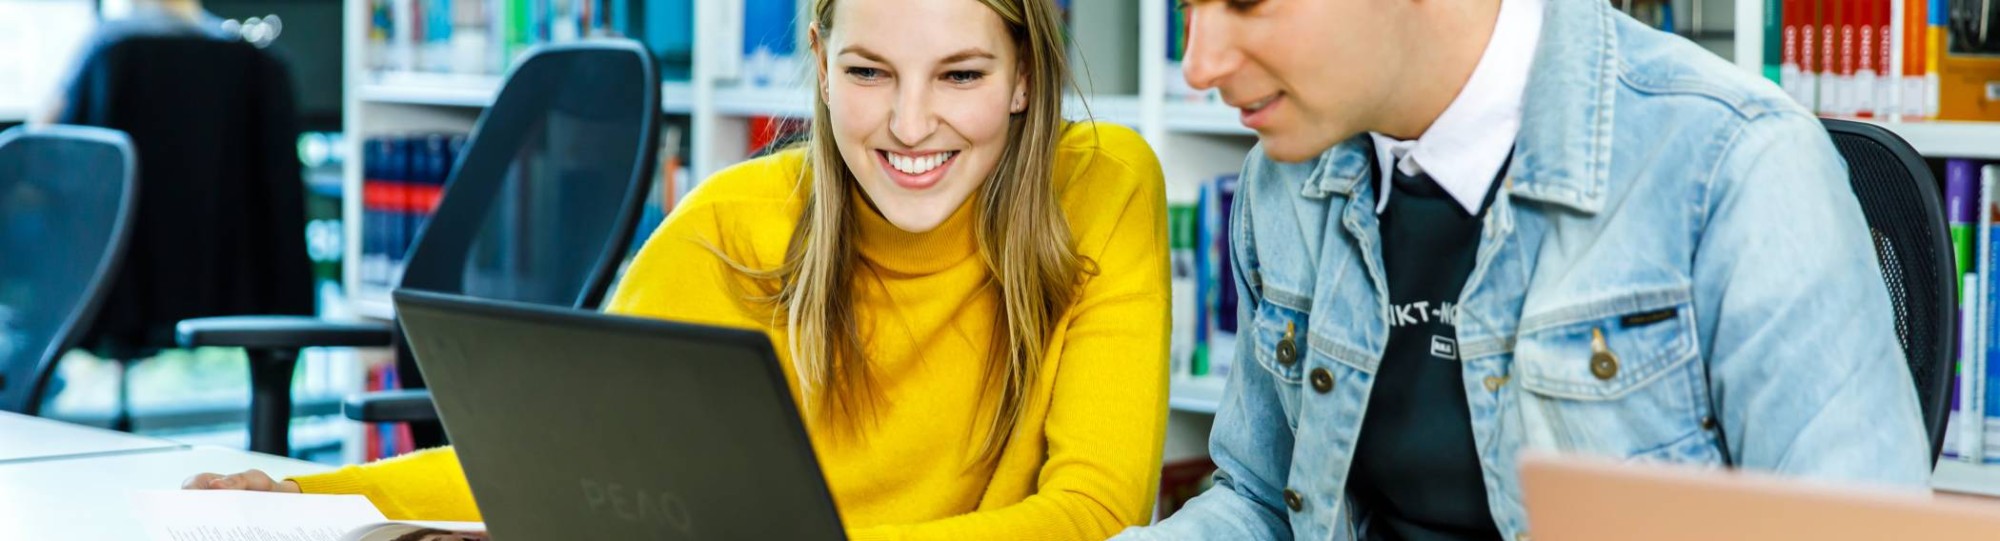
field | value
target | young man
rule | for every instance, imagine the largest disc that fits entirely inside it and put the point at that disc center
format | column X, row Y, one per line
column 1474, row 227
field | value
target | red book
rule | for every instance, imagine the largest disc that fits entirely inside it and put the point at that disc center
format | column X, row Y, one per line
column 1885, row 49
column 1866, row 31
column 1846, row 14
column 1788, row 48
column 1809, row 53
column 1829, row 57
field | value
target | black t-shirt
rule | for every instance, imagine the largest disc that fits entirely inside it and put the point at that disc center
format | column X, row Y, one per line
column 1416, row 469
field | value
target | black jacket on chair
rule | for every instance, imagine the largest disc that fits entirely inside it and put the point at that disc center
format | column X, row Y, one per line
column 221, row 219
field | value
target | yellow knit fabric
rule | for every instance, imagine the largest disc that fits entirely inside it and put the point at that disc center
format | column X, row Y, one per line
column 1082, row 464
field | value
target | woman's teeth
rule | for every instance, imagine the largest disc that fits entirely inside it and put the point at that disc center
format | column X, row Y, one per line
column 919, row 165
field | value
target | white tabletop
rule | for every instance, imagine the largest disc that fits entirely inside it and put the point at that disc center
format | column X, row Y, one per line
column 24, row 437
column 90, row 497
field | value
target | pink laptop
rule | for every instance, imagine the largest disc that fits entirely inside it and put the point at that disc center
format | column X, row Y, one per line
column 1573, row 498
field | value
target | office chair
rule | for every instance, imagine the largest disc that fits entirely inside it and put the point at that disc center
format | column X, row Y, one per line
column 220, row 229
column 67, row 206
column 540, row 208
column 1900, row 199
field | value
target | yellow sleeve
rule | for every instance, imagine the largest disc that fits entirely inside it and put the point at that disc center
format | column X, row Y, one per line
column 1107, row 417
column 424, row 485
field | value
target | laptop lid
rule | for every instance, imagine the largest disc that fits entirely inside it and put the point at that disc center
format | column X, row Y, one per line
column 579, row 425
column 1572, row 498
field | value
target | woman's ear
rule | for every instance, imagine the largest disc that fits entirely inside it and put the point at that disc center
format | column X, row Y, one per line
column 1020, row 103
column 819, row 58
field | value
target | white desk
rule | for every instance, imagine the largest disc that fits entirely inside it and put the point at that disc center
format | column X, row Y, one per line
column 89, row 498
column 26, row 438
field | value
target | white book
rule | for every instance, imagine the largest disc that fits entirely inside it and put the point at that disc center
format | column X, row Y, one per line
column 1968, row 446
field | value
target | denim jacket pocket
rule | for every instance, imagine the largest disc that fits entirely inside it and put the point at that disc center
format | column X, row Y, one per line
column 1278, row 342
column 1622, row 379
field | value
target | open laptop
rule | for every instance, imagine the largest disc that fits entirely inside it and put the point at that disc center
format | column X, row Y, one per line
column 578, row 425
column 1583, row 499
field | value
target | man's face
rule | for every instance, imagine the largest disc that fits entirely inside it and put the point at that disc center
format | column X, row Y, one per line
column 1305, row 74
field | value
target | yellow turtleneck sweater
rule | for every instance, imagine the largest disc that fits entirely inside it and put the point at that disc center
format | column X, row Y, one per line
column 1083, row 461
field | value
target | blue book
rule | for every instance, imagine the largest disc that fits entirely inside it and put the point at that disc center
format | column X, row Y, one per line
column 669, row 31
column 1991, row 375
column 1203, row 283
column 1225, row 306
column 769, row 40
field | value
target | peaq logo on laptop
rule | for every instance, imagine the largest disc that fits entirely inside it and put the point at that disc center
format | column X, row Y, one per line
column 632, row 504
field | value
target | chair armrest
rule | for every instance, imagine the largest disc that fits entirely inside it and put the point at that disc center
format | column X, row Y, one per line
column 403, row 406
column 281, row 332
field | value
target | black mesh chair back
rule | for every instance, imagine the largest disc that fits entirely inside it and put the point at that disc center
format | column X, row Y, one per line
column 543, row 202
column 1903, row 208
column 67, row 197
column 547, row 192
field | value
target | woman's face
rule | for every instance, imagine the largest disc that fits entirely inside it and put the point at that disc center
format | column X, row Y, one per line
column 921, row 93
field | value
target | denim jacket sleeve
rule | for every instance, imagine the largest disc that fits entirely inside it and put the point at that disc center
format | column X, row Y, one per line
column 1252, row 449
column 1805, row 367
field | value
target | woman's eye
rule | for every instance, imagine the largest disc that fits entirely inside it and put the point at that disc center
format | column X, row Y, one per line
column 963, row 76
column 865, row 74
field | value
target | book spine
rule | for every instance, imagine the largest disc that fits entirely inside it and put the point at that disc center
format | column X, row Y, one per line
column 1222, row 355
column 1916, row 19
column 1829, row 56
column 1882, row 81
column 1983, row 317
column 1965, row 414
column 1934, row 47
column 1866, row 31
column 1181, row 246
column 1788, row 53
column 1774, row 27
column 1203, row 284
column 1961, row 206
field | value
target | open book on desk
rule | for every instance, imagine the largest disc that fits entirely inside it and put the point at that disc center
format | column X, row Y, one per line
column 232, row 515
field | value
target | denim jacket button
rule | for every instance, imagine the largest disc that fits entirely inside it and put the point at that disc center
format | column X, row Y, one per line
column 1293, row 500
column 1322, row 380
column 1603, row 363
column 1494, row 383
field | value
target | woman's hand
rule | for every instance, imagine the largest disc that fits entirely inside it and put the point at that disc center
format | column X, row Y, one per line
column 249, row 480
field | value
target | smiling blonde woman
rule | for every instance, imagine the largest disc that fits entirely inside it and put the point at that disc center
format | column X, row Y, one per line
column 971, row 293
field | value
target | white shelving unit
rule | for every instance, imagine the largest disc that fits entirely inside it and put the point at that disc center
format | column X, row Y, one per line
column 1963, row 478
column 1950, row 139
column 1195, row 395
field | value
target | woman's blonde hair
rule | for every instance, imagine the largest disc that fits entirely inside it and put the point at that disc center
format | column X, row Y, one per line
column 1022, row 237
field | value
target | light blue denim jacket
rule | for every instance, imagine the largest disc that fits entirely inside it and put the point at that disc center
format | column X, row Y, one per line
column 1692, row 215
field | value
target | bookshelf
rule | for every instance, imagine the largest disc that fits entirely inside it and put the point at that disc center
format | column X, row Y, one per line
column 1128, row 68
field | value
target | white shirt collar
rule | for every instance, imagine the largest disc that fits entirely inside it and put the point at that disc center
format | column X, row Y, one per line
column 1468, row 144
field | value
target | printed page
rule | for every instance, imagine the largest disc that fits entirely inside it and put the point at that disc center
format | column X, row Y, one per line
column 236, row 515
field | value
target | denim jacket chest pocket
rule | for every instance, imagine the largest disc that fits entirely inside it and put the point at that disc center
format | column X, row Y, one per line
column 1620, row 378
